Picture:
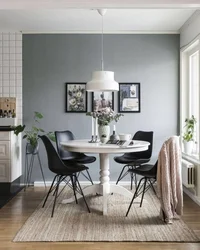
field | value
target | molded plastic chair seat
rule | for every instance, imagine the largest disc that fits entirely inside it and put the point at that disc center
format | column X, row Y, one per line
column 146, row 170
column 130, row 160
column 84, row 159
column 72, row 169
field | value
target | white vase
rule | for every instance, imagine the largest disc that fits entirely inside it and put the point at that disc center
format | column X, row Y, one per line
column 188, row 147
column 104, row 133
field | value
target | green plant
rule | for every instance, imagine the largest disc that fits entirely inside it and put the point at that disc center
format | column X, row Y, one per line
column 189, row 129
column 32, row 135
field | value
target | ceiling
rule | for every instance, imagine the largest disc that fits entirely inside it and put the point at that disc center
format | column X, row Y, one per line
column 80, row 16
column 24, row 4
column 89, row 21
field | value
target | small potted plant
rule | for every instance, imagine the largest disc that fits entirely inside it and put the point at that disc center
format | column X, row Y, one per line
column 32, row 135
column 188, row 136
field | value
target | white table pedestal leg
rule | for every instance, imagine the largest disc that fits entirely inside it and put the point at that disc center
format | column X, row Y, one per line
column 93, row 189
column 104, row 188
column 104, row 180
column 116, row 189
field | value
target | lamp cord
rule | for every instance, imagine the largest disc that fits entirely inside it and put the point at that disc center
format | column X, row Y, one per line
column 102, row 66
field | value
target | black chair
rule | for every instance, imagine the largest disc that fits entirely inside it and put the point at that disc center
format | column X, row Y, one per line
column 149, row 173
column 67, row 156
column 62, row 171
column 133, row 160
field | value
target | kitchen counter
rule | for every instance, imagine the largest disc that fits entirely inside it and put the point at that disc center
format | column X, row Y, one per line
column 6, row 128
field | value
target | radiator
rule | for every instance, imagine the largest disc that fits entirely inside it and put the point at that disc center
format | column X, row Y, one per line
column 188, row 177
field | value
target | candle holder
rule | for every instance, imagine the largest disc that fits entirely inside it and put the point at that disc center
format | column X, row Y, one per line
column 94, row 139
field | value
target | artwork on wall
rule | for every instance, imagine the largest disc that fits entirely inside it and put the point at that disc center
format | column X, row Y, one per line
column 8, row 104
column 76, row 97
column 102, row 100
column 129, row 97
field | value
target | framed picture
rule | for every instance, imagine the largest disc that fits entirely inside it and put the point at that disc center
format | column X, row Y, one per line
column 102, row 100
column 129, row 97
column 76, row 98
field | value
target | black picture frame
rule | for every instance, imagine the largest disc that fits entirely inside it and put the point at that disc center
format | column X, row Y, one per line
column 129, row 98
column 102, row 99
column 75, row 98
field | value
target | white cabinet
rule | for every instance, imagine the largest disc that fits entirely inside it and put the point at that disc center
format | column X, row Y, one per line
column 4, row 150
column 4, row 170
column 10, row 156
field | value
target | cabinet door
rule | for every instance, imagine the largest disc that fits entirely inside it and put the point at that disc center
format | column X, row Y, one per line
column 4, row 150
column 4, row 136
column 4, row 170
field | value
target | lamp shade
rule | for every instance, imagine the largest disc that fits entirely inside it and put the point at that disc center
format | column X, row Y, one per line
column 102, row 81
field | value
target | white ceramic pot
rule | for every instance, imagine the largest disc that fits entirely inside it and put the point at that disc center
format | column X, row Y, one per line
column 104, row 133
column 188, row 147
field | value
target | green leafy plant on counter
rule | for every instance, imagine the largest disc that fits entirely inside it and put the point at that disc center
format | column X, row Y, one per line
column 32, row 134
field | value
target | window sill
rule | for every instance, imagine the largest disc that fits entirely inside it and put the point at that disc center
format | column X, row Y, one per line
column 192, row 158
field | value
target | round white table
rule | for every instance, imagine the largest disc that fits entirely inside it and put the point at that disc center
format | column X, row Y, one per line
column 104, row 188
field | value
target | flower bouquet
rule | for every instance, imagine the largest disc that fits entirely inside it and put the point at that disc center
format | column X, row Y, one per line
column 104, row 117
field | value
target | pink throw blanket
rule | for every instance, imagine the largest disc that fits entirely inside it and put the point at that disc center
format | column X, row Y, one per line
column 169, row 181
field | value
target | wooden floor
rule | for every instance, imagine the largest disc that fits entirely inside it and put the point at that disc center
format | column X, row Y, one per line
column 16, row 212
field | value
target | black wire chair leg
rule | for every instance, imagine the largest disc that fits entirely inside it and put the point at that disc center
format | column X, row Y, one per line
column 77, row 174
column 63, row 187
column 50, row 189
column 135, row 195
column 131, row 181
column 144, row 188
column 56, row 194
column 41, row 169
column 88, row 177
column 135, row 180
column 74, row 187
column 151, row 184
column 120, row 175
column 66, row 183
column 82, row 194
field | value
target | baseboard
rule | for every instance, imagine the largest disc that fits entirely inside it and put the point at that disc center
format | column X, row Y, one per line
column 192, row 196
column 84, row 183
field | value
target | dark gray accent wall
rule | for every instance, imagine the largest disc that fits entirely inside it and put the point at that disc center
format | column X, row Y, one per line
column 51, row 60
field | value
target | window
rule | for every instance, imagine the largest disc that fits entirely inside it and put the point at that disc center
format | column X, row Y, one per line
column 189, row 90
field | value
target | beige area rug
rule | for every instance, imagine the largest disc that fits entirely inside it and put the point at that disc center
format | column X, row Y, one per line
column 72, row 222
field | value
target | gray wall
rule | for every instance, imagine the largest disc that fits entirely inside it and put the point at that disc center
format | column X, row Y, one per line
column 51, row 60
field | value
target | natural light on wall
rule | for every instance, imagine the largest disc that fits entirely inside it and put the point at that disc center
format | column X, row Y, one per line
column 189, row 90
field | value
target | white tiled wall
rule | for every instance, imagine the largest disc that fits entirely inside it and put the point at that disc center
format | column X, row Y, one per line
column 11, row 69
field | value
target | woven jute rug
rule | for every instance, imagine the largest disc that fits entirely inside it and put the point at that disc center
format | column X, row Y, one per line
column 72, row 222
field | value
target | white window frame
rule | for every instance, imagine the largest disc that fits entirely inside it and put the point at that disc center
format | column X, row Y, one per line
column 185, row 52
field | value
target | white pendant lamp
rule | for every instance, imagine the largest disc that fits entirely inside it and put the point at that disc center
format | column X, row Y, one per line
column 102, row 80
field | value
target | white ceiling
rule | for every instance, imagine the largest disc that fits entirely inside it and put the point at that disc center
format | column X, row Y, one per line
column 89, row 21
column 23, row 4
